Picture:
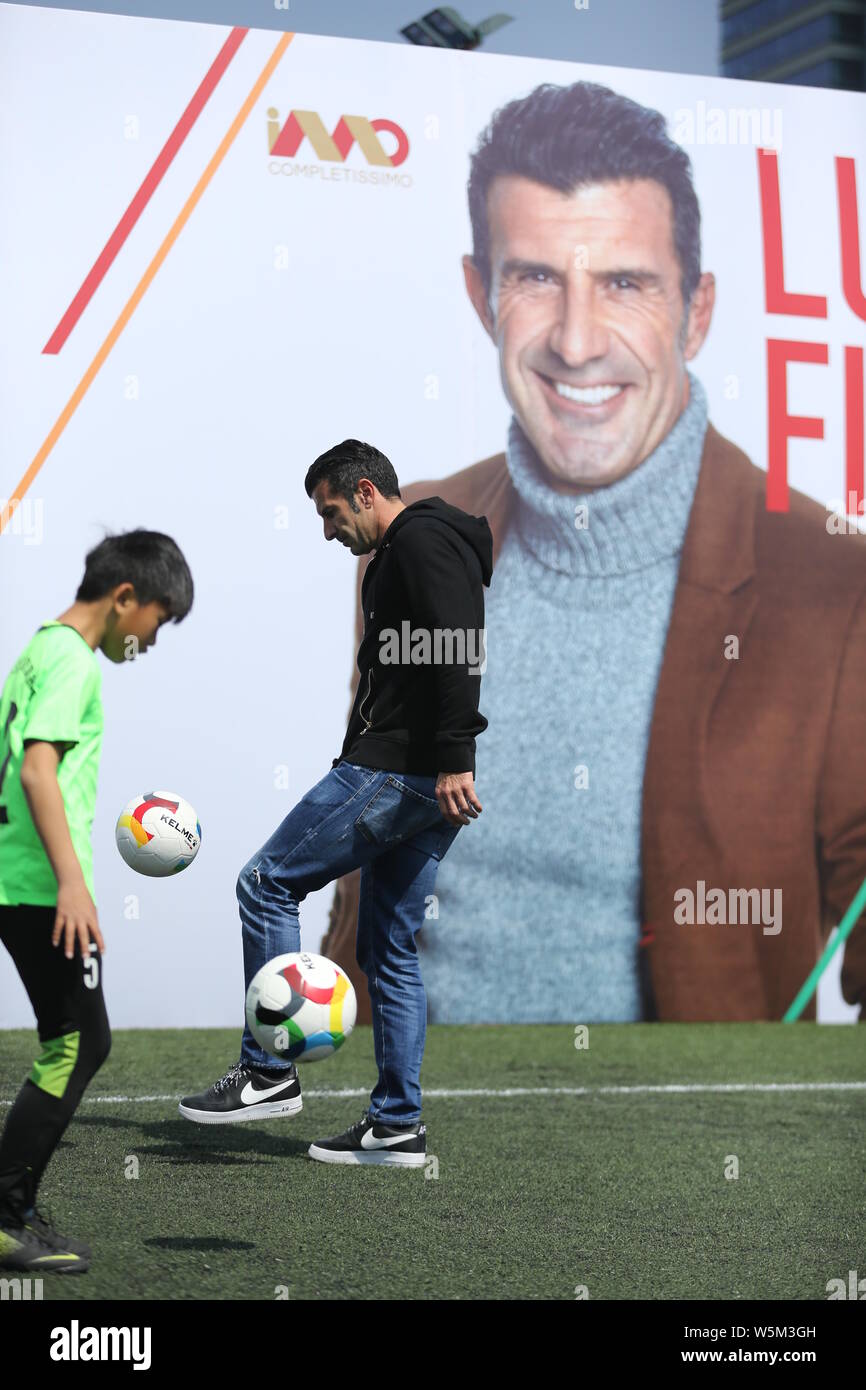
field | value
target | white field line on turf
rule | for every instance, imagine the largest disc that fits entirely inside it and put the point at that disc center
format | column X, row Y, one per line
column 507, row 1092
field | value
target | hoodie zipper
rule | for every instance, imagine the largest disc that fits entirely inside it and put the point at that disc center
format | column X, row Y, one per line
column 367, row 722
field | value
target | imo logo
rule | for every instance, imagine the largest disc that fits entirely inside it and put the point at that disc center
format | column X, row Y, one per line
column 285, row 140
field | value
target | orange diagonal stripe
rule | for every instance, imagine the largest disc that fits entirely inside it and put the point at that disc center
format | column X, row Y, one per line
column 138, row 293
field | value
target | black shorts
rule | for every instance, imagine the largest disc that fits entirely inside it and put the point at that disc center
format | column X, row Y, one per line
column 73, row 1028
column 66, row 994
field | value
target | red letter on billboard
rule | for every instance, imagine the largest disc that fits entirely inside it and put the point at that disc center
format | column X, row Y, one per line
column 778, row 300
column 854, row 429
column 780, row 425
column 849, row 235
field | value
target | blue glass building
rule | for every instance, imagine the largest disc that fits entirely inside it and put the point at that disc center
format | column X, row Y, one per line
column 814, row 43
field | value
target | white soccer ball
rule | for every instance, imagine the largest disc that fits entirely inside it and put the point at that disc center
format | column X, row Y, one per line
column 158, row 834
column 301, row 1007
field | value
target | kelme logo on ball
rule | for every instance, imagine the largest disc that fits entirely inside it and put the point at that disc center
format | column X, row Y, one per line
column 158, row 834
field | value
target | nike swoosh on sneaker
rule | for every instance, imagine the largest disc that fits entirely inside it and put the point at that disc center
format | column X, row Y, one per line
column 369, row 1140
column 249, row 1095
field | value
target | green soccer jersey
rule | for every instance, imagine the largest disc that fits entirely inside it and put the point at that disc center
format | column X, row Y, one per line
column 52, row 693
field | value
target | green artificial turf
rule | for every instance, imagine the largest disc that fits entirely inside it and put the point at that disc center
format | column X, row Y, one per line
column 536, row 1195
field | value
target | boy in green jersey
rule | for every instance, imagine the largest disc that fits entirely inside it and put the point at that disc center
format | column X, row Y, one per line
column 50, row 737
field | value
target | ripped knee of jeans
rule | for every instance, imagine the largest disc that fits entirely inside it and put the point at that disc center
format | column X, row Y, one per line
column 249, row 877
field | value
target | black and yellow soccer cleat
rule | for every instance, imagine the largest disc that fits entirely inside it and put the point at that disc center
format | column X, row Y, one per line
column 40, row 1224
column 24, row 1249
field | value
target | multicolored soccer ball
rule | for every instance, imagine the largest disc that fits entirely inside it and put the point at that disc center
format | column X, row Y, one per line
column 158, row 834
column 301, row 1007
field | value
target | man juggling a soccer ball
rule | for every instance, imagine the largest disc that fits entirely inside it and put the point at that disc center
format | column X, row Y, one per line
column 392, row 803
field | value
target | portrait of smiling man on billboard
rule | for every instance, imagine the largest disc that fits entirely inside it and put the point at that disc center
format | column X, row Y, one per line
column 674, row 773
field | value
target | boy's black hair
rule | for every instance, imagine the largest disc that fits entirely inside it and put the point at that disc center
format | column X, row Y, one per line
column 568, row 137
column 343, row 467
column 148, row 560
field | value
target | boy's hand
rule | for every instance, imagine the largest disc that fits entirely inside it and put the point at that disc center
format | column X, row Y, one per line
column 455, row 792
column 76, row 920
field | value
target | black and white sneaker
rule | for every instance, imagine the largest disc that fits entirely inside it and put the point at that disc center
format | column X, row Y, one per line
column 370, row 1141
column 245, row 1093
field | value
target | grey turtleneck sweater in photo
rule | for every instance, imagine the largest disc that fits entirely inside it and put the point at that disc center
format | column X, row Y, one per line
column 538, row 899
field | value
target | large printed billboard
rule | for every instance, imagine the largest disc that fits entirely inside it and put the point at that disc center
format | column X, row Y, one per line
column 621, row 314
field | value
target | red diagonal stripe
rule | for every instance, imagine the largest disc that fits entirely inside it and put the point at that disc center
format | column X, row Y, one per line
column 142, row 197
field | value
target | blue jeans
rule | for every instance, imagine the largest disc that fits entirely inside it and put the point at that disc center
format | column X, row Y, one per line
column 390, row 826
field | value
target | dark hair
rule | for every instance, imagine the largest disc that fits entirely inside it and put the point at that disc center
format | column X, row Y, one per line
column 568, row 137
column 343, row 466
column 148, row 560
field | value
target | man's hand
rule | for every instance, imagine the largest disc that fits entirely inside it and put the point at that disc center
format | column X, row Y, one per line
column 455, row 792
column 76, row 920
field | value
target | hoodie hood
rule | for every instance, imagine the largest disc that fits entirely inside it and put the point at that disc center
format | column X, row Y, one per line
column 474, row 530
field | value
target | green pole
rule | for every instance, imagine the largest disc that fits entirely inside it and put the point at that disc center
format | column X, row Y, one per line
column 846, row 926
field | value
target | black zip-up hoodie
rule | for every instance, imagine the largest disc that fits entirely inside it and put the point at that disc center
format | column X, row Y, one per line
column 421, row 716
